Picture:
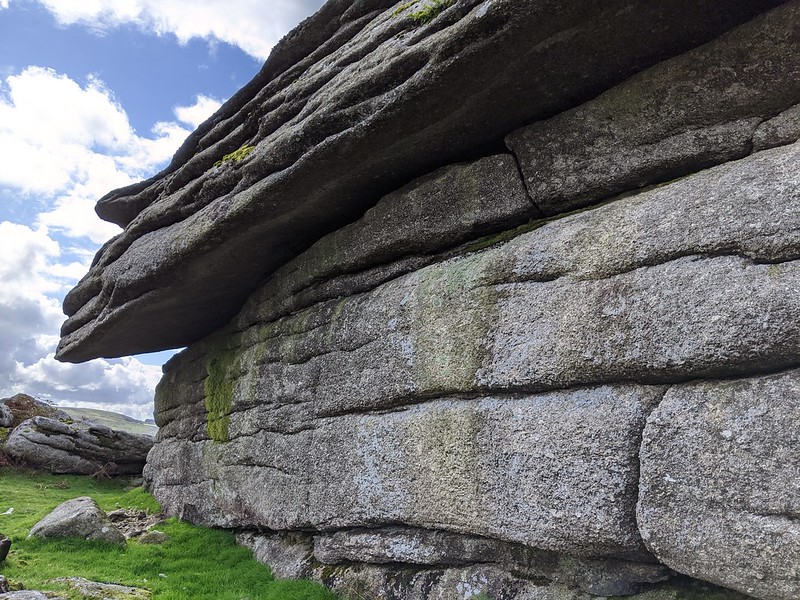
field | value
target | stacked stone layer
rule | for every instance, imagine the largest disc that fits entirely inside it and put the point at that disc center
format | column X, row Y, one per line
column 464, row 387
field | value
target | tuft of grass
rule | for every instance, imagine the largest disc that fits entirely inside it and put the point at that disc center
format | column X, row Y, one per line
column 236, row 156
column 195, row 562
column 403, row 7
column 430, row 11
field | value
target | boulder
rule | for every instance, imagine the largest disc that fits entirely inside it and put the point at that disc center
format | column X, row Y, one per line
column 83, row 447
column 5, row 546
column 411, row 373
column 719, row 497
column 93, row 590
column 23, row 407
column 384, row 99
column 6, row 416
column 78, row 518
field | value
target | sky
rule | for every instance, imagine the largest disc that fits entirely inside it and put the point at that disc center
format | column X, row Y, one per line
column 95, row 95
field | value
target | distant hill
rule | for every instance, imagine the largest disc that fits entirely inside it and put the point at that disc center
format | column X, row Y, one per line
column 111, row 419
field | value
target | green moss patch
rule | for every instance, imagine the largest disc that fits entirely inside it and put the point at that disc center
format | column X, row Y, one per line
column 218, row 387
column 236, row 156
column 429, row 10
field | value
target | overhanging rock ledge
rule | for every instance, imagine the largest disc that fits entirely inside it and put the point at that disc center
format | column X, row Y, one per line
column 355, row 102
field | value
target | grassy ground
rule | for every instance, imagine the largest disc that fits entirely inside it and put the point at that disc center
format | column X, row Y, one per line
column 111, row 419
column 195, row 562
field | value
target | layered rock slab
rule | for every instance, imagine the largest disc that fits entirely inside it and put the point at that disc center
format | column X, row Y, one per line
column 720, row 483
column 599, row 296
column 696, row 110
column 503, row 570
column 556, row 471
column 82, row 448
column 332, row 418
column 390, row 101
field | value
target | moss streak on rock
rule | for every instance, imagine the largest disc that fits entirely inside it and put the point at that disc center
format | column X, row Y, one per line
column 218, row 399
column 452, row 319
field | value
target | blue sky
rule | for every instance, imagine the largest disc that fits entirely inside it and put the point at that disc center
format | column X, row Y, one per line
column 94, row 95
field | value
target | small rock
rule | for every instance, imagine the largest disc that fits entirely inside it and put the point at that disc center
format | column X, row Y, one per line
column 6, row 416
column 103, row 591
column 80, row 517
column 5, row 546
column 153, row 537
column 4, row 587
column 115, row 516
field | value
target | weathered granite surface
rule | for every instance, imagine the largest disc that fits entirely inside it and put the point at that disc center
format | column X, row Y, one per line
column 696, row 110
column 412, row 374
column 416, row 403
column 720, row 463
column 83, row 447
column 381, row 101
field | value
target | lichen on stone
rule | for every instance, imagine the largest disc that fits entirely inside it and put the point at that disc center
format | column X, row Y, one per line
column 218, row 387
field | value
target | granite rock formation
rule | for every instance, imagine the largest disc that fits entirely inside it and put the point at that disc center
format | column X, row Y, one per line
column 82, row 448
column 504, row 301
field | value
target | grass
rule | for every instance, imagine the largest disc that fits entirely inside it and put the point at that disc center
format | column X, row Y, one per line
column 111, row 419
column 195, row 562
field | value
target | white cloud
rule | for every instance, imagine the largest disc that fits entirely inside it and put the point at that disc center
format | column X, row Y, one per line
column 3, row 4
column 193, row 115
column 31, row 279
column 252, row 25
column 75, row 143
column 64, row 145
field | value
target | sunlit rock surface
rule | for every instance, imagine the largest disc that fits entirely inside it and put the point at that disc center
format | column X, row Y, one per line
column 504, row 302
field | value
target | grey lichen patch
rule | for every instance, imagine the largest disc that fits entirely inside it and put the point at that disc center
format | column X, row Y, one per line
column 452, row 318
column 218, row 399
column 447, row 441
column 236, row 156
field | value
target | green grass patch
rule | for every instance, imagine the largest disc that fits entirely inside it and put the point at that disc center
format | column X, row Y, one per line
column 110, row 419
column 196, row 562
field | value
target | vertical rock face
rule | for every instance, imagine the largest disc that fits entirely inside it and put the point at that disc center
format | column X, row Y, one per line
column 413, row 373
column 720, row 463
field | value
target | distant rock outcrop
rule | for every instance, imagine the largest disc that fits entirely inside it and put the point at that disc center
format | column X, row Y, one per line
column 82, row 447
column 21, row 407
column 504, row 301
